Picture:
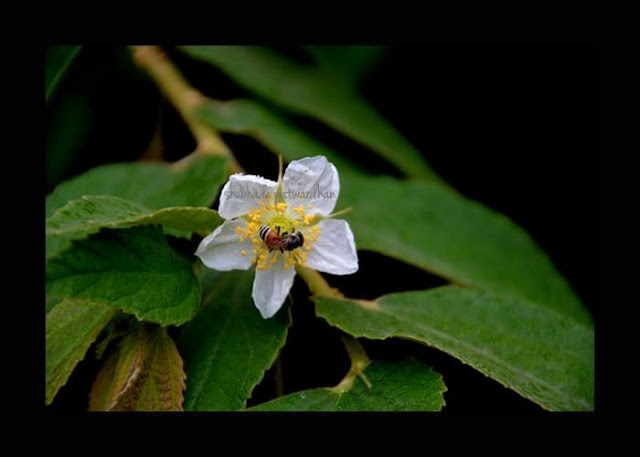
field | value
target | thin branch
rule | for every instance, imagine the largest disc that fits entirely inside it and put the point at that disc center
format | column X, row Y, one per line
column 183, row 97
column 279, row 376
column 359, row 362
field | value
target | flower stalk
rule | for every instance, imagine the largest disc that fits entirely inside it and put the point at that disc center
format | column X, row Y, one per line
column 317, row 284
column 279, row 195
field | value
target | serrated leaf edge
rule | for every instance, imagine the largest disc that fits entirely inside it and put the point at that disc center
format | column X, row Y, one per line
column 463, row 359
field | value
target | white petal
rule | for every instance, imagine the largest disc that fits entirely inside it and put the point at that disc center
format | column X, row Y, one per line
column 271, row 287
column 312, row 180
column 220, row 250
column 335, row 250
column 241, row 194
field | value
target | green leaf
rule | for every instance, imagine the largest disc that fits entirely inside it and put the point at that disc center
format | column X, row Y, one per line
column 80, row 218
column 395, row 386
column 456, row 238
column 539, row 353
column 350, row 63
column 71, row 328
column 319, row 94
column 191, row 182
column 253, row 119
column 145, row 373
column 133, row 269
column 228, row 346
column 70, row 123
column 58, row 59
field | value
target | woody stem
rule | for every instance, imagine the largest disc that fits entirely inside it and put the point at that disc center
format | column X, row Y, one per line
column 183, row 97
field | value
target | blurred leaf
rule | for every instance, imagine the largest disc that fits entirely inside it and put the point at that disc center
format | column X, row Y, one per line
column 539, row 353
column 247, row 117
column 69, row 127
column 130, row 269
column 71, row 328
column 456, row 238
column 351, row 63
column 195, row 182
column 395, row 386
column 228, row 346
column 86, row 124
column 144, row 374
column 80, row 218
column 58, row 59
column 319, row 94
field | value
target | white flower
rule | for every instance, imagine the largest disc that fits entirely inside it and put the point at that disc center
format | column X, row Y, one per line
column 300, row 202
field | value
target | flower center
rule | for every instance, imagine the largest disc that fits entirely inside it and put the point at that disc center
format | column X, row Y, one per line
column 280, row 218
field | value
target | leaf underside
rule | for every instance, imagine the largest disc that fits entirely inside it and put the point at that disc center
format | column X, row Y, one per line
column 71, row 327
column 144, row 373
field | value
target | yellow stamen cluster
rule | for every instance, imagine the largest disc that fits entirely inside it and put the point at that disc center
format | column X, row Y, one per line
column 312, row 235
column 288, row 219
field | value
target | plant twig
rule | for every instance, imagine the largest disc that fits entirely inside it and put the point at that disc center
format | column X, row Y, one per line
column 359, row 362
column 183, row 97
column 154, row 151
column 279, row 376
